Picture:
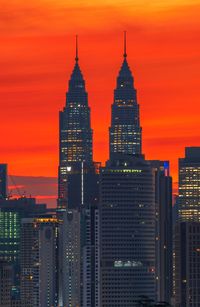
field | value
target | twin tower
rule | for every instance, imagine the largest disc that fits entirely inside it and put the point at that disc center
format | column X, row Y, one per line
column 75, row 133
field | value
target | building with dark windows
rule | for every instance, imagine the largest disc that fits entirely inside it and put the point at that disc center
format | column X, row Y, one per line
column 187, row 231
column 189, row 185
column 9, row 293
column 127, row 231
column 164, row 240
column 38, row 259
column 3, row 181
column 6, row 282
column 187, row 264
column 75, row 148
column 90, row 260
column 125, row 131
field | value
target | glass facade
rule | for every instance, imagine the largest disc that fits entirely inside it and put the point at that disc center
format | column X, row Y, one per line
column 125, row 131
column 75, row 132
column 127, row 232
column 9, row 235
column 189, row 185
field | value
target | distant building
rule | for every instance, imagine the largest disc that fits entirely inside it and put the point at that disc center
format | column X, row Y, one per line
column 70, row 259
column 90, row 259
column 38, row 259
column 187, row 264
column 6, row 282
column 189, row 185
column 79, row 258
column 187, row 232
column 164, row 240
column 11, row 213
column 127, row 231
column 3, row 181
column 9, row 294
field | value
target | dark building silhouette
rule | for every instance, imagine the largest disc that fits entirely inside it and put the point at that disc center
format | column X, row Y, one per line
column 3, row 181
column 6, row 282
column 164, row 240
column 127, row 231
column 38, row 262
column 9, row 293
column 187, row 264
column 125, row 131
column 187, row 231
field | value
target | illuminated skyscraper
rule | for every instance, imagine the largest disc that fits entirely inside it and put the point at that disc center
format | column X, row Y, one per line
column 189, row 185
column 12, row 211
column 78, row 194
column 75, row 151
column 187, row 231
column 125, row 130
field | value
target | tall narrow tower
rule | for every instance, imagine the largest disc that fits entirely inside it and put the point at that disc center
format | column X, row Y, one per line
column 125, row 130
column 75, row 133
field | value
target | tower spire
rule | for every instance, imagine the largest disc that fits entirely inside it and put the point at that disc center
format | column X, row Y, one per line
column 76, row 58
column 125, row 54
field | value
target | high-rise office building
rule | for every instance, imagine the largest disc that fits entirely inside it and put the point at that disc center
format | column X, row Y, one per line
column 70, row 259
column 125, row 131
column 6, row 282
column 79, row 258
column 90, row 259
column 11, row 213
column 75, row 145
column 164, row 241
column 127, row 231
column 187, row 231
column 9, row 293
column 77, row 196
column 127, row 205
column 187, row 264
column 189, row 185
column 39, row 258
column 3, row 181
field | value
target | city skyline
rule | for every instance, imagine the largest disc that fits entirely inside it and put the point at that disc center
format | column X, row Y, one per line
column 100, row 153
column 31, row 146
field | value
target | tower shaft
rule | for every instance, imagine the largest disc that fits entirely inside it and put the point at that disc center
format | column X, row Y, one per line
column 125, row 131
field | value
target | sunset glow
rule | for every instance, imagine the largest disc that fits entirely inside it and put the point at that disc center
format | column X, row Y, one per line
column 37, row 57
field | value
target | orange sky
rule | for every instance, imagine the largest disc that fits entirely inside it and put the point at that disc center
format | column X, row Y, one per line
column 37, row 57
